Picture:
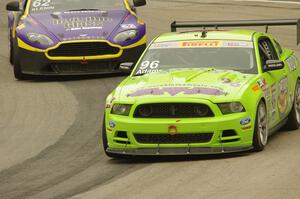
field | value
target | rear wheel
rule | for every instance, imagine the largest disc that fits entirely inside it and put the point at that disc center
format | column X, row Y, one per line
column 293, row 122
column 260, row 137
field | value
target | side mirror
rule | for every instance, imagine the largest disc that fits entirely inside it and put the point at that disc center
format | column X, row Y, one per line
column 138, row 3
column 13, row 6
column 273, row 65
column 126, row 67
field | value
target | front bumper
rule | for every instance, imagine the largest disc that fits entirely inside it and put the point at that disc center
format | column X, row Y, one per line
column 37, row 63
column 228, row 134
column 178, row 151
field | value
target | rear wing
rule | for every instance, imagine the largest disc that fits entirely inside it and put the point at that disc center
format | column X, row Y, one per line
column 216, row 24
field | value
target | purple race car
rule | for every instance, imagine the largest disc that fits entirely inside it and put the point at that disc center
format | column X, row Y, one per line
column 74, row 37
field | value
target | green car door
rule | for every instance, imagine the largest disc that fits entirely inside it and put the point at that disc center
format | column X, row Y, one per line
column 274, row 83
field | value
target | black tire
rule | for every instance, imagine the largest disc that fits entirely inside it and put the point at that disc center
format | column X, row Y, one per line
column 260, row 136
column 11, row 47
column 293, row 122
column 105, row 144
column 17, row 67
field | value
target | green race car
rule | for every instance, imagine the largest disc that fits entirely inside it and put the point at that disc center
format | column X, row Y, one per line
column 204, row 92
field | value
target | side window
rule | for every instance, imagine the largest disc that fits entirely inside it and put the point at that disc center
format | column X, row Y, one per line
column 278, row 46
column 266, row 50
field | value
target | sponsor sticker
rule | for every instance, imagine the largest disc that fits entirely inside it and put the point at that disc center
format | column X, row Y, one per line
column 245, row 121
column 262, row 83
column 112, row 124
column 82, row 23
column 203, row 44
column 273, row 100
column 255, row 88
column 292, row 63
column 176, row 90
column 247, row 127
column 283, row 95
column 128, row 26
column 195, row 44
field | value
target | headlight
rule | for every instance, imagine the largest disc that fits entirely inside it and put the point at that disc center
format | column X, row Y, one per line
column 39, row 38
column 234, row 107
column 127, row 35
column 121, row 109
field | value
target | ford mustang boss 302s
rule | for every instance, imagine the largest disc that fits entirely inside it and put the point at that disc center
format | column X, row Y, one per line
column 204, row 92
column 72, row 37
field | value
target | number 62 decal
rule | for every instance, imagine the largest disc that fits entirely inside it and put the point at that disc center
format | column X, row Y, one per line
column 41, row 3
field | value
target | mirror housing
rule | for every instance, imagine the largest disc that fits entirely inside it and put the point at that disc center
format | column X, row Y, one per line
column 138, row 3
column 13, row 6
column 126, row 67
column 273, row 65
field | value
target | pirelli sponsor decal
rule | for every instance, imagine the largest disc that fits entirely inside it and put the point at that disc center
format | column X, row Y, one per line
column 203, row 44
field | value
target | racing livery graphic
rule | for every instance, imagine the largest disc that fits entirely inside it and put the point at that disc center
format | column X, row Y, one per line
column 204, row 92
column 69, row 37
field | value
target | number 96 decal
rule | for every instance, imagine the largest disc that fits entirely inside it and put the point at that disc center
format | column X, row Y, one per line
column 148, row 67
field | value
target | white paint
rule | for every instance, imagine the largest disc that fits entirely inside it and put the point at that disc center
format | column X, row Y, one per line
column 271, row 1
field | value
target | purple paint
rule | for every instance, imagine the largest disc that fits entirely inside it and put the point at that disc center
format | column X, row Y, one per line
column 176, row 90
column 80, row 25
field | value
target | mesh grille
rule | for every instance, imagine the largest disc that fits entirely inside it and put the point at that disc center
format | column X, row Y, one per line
column 77, row 67
column 173, row 110
column 173, row 139
column 83, row 49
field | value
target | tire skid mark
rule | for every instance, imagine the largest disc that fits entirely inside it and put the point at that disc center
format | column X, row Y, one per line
column 75, row 152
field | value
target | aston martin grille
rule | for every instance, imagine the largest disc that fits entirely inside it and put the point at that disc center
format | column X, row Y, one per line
column 83, row 49
column 90, row 67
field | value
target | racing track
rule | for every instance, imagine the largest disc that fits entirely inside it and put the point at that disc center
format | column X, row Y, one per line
column 50, row 132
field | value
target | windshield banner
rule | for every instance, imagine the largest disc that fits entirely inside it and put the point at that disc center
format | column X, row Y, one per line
column 203, row 44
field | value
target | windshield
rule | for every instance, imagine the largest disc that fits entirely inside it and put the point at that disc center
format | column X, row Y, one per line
column 217, row 54
column 74, row 5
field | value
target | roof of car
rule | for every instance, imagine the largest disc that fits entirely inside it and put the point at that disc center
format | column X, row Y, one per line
column 242, row 35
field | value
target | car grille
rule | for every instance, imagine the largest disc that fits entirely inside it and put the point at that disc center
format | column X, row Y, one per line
column 83, row 49
column 89, row 67
column 173, row 110
column 187, row 138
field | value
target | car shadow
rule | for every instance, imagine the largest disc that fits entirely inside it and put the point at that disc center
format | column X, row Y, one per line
column 41, row 79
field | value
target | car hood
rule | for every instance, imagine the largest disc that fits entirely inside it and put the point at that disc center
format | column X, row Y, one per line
column 80, row 25
column 214, row 85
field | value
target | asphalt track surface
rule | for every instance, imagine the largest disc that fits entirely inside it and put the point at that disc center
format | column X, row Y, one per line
column 50, row 131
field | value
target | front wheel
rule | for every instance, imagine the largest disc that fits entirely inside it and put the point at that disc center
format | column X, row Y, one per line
column 260, row 137
column 105, row 144
column 11, row 47
column 17, row 67
column 293, row 122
